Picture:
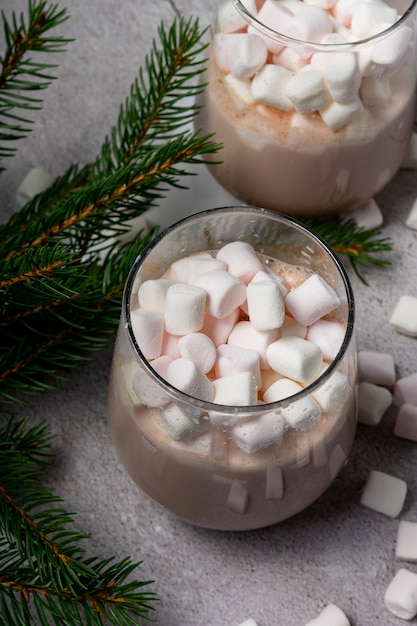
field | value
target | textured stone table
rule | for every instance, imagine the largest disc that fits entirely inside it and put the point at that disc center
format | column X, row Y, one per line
column 336, row 551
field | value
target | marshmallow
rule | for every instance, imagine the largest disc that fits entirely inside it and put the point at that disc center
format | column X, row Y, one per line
column 323, row 4
column 200, row 349
column 405, row 389
column 170, row 345
column 376, row 367
column 235, row 390
column 295, row 358
column 248, row 622
column 229, row 19
column 225, row 292
column 404, row 316
column 384, row 493
column 309, row 24
column 391, row 50
column 367, row 215
column 238, row 497
column 179, row 426
column 35, row 181
column 406, row 545
column 401, row 595
column 152, row 294
column 370, row 19
column 311, row 300
column 239, row 91
column 328, row 335
column 234, row 360
column 245, row 335
column 269, row 274
column 281, row 389
column 160, row 364
column 178, row 270
column 147, row 391
column 331, row 615
column 343, row 10
column 184, row 309
column 373, row 402
column 198, row 265
column 343, row 76
column 275, row 16
column 269, row 86
column 303, row 414
column 184, row 375
column 219, row 330
column 329, row 395
column 290, row 59
column 148, row 329
column 223, row 45
column 242, row 260
column 410, row 158
column 406, row 422
column 335, row 115
column 259, row 433
column 307, row 91
column 265, row 305
column 292, row 328
column 249, row 55
column 411, row 220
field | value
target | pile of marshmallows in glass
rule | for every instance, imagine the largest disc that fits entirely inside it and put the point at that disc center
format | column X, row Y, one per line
column 261, row 69
column 230, row 330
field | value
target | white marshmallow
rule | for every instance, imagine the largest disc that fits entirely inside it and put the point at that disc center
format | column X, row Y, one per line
column 35, row 181
column 410, row 159
column 241, row 258
column 259, row 433
column 406, row 422
column 375, row 91
column 223, row 45
column 219, row 330
column 281, row 389
column 295, row 358
column 411, row 220
column 269, row 274
column 367, row 215
column 225, row 292
column 401, row 595
column 239, row 91
column 373, row 402
column 291, row 328
column 184, row 309
column 311, row 300
column 249, row 55
column 179, row 426
column 269, row 86
column 343, row 76
column 406, row 544
column 245, row 335
column 238, row 497
column 147, row 391
column 152, row 294
column 404, row 317
column 310, row 24
column 370, row 19
column 303, row 414
column 236, row 390
column 307, row 91
column 200, row 265
column 343, row 10
column 328, row 335
column 229, row 19
column 160, row 364
column 390, row 51
column 384, row 493
column 376, row 367
column 330, row 394
column 148, row 329
column 331, row 615
column 184, row 375
column 249, row 622
column 234, row 360
column 323, row 4
column 335, row 115
column 266, row 307
column 290, row 59
column 405, row 389
column 200, row 349
column 275, row 16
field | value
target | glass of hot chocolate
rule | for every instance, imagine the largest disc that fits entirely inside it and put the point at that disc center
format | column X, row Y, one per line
column 232, row 393
column 313, row 100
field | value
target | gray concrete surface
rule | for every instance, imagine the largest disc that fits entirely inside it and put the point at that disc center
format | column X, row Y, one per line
column 336, row 551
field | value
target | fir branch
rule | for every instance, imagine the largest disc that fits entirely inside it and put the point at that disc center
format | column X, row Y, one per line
column 41, row 559
column 20, row 74
column 360, row 246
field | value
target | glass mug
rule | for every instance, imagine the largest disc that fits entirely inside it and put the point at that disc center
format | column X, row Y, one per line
column 234, row 467
column 314, row 107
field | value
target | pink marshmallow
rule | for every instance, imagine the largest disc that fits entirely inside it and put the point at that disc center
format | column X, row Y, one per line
column 268, row 274
column 274, row 16
column 225, row 292
column 406, row 422
column 401, row 595
column 200, row 349
column 328, row 335
column 376, row 367
column 219, row 329
column 233, row 360
column 152, row 294
column 170, row 345
column 223, row 45
column 291, row 328
column 148, row 329
column 160, row 364
column 309, row 24
column 405, row 389
column 249, row 55
column 311, row 300
column 242, row 260
column 184, row 375
column 198, row 265
column 236, row 390
column 244, row 335
column 391, row 51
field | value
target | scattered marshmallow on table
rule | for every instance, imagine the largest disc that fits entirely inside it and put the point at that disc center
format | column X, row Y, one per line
column 373, row 402
column 311, row 300
column 384, row 493
column 410, row 158
column 411, row 220
column 406, row 422
column 405, row 389
column 35, row 181
column 406, row 544
column 404, row 317
column 401, row 595
column 367, row 215
column 184, row 309
column 248, row 622
column 376, row 367
column 331, row 615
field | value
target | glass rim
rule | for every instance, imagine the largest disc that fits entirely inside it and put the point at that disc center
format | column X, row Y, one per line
column 321, row 47
column 240, row 410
